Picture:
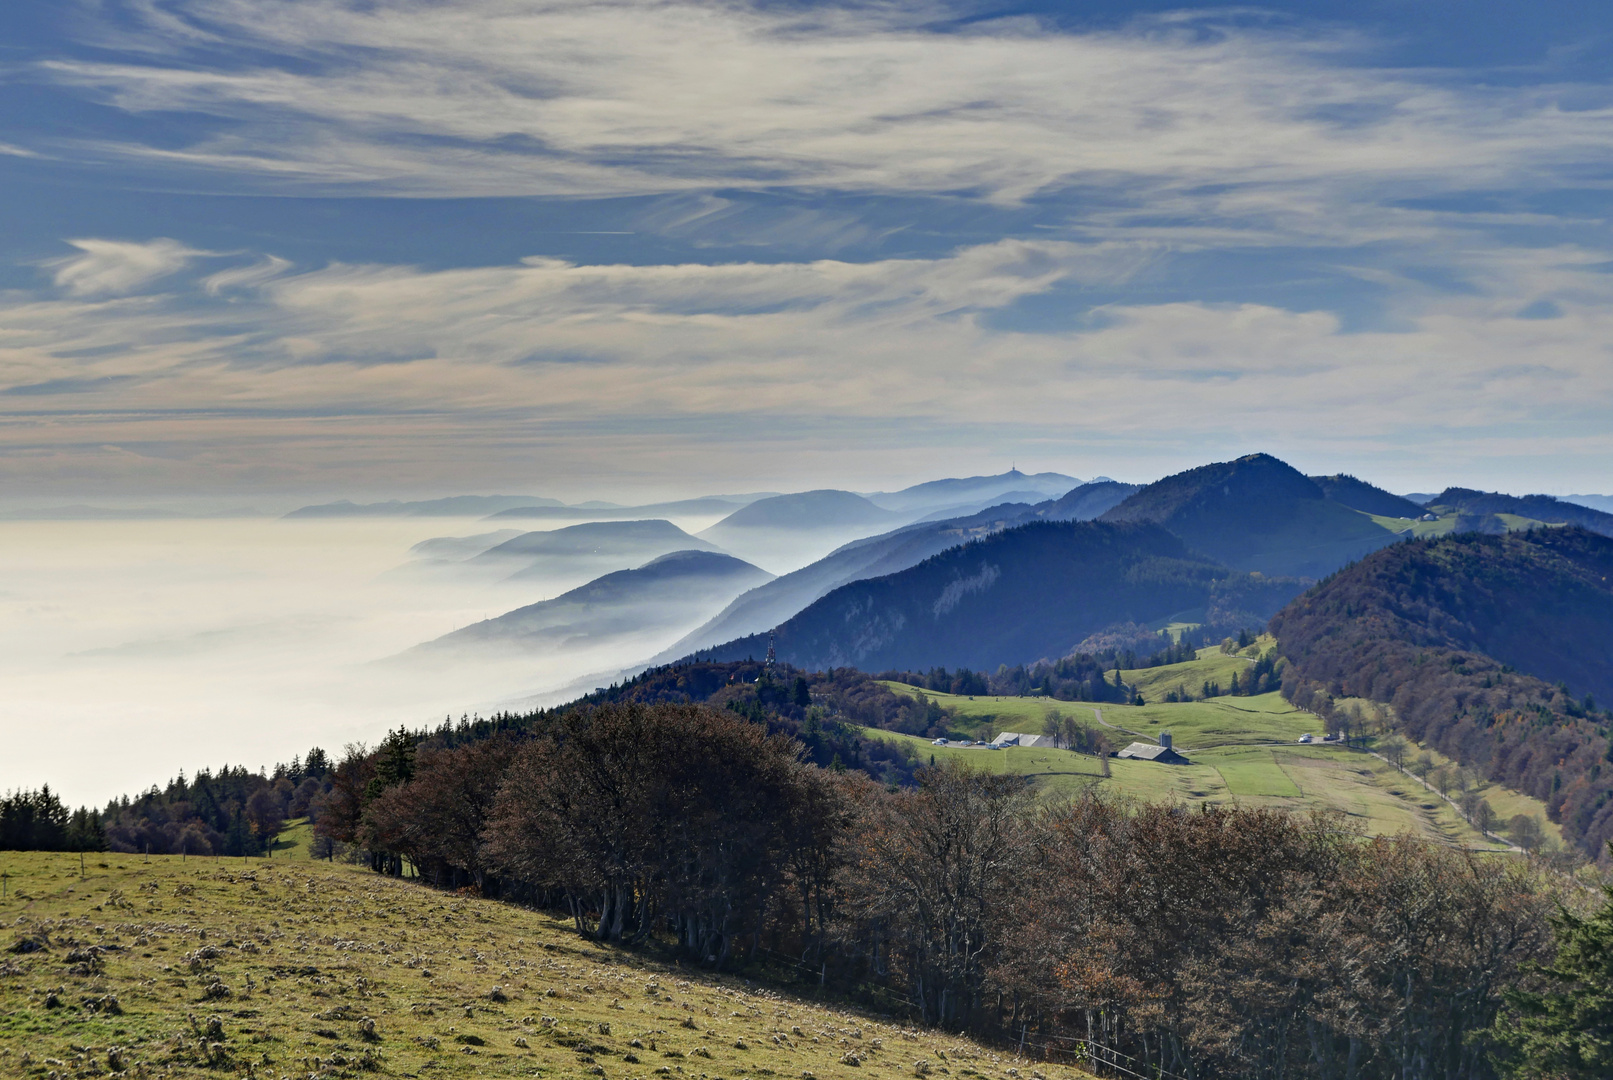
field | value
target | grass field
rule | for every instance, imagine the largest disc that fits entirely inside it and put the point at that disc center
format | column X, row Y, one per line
column 293, row 841
column 291, row 967
column 1368, row 792
column 1244, row 750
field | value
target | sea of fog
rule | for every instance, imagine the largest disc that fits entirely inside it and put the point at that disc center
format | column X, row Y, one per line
column 132, row 649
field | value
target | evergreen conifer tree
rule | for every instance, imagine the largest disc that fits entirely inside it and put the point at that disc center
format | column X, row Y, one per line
column 1565, row 1032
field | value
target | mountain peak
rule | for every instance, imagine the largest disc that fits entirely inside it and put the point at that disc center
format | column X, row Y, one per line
column 1256, row 513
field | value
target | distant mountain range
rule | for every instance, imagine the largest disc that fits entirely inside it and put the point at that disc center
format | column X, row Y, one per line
column 908, row 503
column 453, row 506
column 1237, row 539
column 682, row 507
column 768, row 605
column 612, row 544
column 1255, row 514
column 976, row 491
column 1025, row 593
column 664, row 594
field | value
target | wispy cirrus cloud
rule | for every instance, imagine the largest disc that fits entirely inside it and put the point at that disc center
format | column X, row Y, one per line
column 620, row 368
column 1185, row 233
column 505, row 97
column 115, row 266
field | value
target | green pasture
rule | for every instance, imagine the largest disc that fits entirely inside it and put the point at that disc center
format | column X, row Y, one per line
column 1257, row 774
column 1212, row 665
column 1231, row 767
column 1221, row 721
column 293, row 841
column 1418, row 528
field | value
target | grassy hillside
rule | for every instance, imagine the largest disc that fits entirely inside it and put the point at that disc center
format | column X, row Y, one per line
column 1372, row 795
column 287, row 967
column 1243, row 750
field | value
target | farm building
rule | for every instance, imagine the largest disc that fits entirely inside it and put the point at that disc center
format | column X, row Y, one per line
column 1014, row 738
column 1163, row 753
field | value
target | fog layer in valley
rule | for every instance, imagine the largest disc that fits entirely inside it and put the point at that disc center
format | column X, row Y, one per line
column 131, row 649
column 134, row 647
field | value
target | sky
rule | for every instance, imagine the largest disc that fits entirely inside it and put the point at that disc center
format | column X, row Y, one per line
column 260, row 249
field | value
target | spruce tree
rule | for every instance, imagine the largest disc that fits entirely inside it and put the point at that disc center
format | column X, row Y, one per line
column 1566, row 1030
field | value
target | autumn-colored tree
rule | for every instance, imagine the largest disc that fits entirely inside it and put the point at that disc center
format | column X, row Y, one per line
column 653, row 814
column 934, row 868
column 437, row 819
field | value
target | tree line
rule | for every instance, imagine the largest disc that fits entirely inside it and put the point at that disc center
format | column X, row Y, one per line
column 1206, row 943
column 233, row 811
column 1397, row 629
column 40, row 821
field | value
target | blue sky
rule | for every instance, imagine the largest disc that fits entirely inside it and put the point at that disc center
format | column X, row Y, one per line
column 388, row 247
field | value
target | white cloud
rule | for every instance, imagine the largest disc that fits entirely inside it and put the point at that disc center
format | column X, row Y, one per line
column 114, row 266
column 243, row 277
column 467, row 377
column 602, row 96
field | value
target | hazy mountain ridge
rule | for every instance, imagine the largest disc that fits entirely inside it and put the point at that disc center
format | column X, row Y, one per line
column 667, row 592
column 459, row 548
column 974, row 490
column 768, row 605
column 1027, row 592
column 818, row 509
column 1087, row 502
column 681, row 507
column 649, row 537
column 451, row 506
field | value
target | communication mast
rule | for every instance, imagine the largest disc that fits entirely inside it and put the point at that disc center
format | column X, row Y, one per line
column 772, row 656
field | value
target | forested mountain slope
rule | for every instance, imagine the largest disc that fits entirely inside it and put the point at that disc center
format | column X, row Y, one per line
column 770, row 604
column 1365, row 497
column 1490, row 648
column 1256, row 513
column 1087, row 501
column 1480, row 504
column 1026, row 593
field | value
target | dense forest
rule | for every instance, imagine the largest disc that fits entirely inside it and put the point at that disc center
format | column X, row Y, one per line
column 1030, row 592
column 1258, row 514
column 1224, row 943
column 1491, row 649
